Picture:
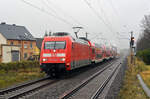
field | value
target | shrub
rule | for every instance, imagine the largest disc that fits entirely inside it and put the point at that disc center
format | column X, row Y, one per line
column 144, row 55
column 19, row 65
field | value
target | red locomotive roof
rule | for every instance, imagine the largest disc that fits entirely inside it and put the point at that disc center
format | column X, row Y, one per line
column 57, row 38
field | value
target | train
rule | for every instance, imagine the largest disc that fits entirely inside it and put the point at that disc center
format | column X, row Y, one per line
column 61, row 53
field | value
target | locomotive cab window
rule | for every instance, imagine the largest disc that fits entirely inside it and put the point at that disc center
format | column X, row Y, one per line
column 49, row 45
column 55, row 45
column 60, row 45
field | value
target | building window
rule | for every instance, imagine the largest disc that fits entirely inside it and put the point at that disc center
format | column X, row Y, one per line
column 25, row 55
column 11, row 43
column 25, row 46
column 31, row 45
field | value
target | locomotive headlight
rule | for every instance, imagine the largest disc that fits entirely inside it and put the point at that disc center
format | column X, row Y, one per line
column 44, row 59
column 61, row 54
column 62, row 59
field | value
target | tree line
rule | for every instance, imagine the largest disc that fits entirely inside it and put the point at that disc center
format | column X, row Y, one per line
column 143, row 42
column 144, row 39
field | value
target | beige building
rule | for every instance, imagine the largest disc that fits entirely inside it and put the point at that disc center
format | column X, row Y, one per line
column 10, row 53
column 16, row 43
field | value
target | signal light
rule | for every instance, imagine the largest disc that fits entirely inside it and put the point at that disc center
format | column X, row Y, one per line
column 132, row 38
column 132, row 41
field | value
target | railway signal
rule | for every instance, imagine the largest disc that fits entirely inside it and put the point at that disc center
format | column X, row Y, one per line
column 132, row 41
column 132, row 48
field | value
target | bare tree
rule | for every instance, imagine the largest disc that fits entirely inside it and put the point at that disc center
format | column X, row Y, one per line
column 144, row 39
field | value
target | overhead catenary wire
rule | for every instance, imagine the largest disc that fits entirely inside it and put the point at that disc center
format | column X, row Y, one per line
column 101, row 9
column 49, row 7
column 53, row 7
column 44, row 11
column 114, row 8
column 115, row 11
column 49, row 13
column 65, row 14
column 97, row 14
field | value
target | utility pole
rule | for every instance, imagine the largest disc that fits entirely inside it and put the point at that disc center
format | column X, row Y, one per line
column 76, row 30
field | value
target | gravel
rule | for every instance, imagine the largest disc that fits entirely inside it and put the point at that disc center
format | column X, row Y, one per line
column 88, row 90
column 117, row 83
column 59, row 88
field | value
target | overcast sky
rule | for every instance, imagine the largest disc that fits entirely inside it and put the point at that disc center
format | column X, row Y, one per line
column 101, row 18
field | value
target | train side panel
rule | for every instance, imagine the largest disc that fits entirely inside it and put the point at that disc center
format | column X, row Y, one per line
column 80, row 55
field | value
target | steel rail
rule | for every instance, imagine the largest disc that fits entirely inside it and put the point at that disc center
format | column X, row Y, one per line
column 78, row 87
column 15, row 91
column 2, row 92
column 23, row 93
column 104, row 84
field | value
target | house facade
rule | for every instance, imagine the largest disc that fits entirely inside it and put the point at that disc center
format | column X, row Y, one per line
column 16, row 42
column 27, row 47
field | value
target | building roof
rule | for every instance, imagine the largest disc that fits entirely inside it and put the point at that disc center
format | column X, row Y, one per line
column 39, row 42
column 15, row 32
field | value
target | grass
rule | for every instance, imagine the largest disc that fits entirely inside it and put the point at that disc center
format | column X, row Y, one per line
column 146, row 75
column 131, row 88
column 10, row 78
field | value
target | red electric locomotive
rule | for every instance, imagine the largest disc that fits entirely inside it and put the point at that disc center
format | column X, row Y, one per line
column 63, row 53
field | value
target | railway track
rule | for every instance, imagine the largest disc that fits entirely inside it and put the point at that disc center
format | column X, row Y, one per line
column 25, row 89
column 70, row 94
column 104, row 84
